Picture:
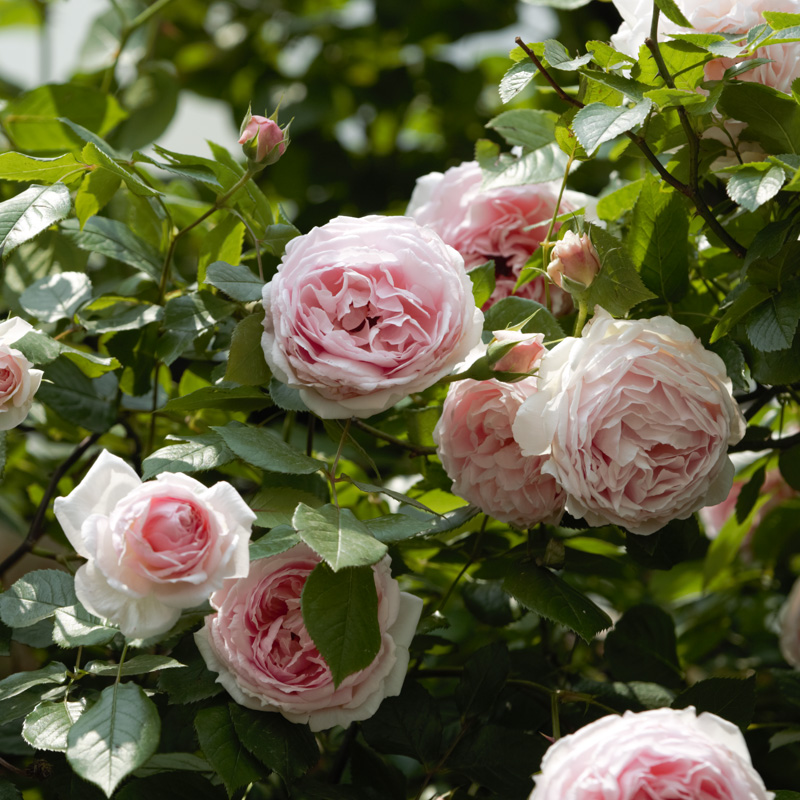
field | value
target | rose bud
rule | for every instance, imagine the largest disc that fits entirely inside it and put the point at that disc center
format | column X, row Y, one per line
column 516, row 351
column 575, row 258
column 263, row 140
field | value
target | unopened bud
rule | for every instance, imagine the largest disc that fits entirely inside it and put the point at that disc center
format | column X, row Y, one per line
column 526, row 351
column 263, row 140
column 575, row 258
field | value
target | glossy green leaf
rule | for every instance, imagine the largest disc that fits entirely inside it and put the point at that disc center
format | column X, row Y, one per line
column 48, row 725
column 532, row 128
column 197, row 454
column 57, row 296
column 19, row 167
column 598, row 123
column 36, row 596
column 246, row 363
column 266, row 450
column 29, row 213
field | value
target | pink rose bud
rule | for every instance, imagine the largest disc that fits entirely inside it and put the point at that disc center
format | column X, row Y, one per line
column 524, row 356
column 574, row 257
column 263, row 140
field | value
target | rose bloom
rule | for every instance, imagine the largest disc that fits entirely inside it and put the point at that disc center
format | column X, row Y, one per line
column 637, row 417
column 152, row 548
column 506, row 224
column 659, row 754
column 478, row 451
column 267, row 661
column 715, row 16
column 790, row 627
column 18, row 382
column 363, row 312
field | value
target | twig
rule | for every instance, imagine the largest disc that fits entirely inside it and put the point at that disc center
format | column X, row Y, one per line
column 37, row 526
column 343, row 754
column 784, row 443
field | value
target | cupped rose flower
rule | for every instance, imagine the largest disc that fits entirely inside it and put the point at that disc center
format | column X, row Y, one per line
column 262, row 139
column 18, row 382
column 506, row 224
column 524, row 356
column 363, row 312
column 636, row 416
column 715, row 16
column 152, row 548
column 258, row 644
column 790, row 627
column 573, row 257
column 659, row 754
column 476, row 446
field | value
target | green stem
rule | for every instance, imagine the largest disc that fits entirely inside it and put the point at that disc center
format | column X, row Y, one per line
column 583, row 313
column 414, row 449
column 121, row 662
column 335, row 466
column 466, row 566
column 554, row 716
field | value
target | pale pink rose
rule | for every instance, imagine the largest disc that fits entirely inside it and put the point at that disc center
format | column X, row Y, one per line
column 258, row 644
column 637, row 417
column 790, row 627
column 574, row 257
column 269, row 138
column 506, row 224
column 478, row 451
column 18, row 382
column 663, row 754
column 363, row 312
column 775, row 487
column 715, row 16
column 152, row 548
column 524, row 356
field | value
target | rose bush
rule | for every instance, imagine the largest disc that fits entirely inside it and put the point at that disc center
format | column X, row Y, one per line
column 663, row 753
column 152, row 548
column 363, row 312
column 505, row 224
column 18, row 381
column 475, row 443
column 637, row 417
column 258, row 644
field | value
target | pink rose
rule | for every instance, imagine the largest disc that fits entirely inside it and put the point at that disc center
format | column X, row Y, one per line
column 263, row 140
column 18, row 382
column 266, row 660
column 506, row 224
column 715, row 16
column 790, row 627
column 363, row 312
column 574, row 257
column 152, row 548
column 478, row 451
column 664, row 753
column 524, row 356
column 637, row 417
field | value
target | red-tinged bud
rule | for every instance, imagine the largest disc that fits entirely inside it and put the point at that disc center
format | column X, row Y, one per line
column 263, row 140
column 575, row 258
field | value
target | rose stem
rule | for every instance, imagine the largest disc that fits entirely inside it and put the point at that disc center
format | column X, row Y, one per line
column 37, row 526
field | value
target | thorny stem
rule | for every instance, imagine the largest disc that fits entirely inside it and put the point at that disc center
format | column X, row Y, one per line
column 702, row 209
column 37, row 526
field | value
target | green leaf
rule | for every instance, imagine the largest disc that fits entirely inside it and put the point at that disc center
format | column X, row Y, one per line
column 548, row 163
column 483, row 282
column 779, row 20
column 246, row 363
column 338, row 536
column 56, row 296
column 86, row 402
column 565, row 5
column 396, row 527
column 276, row 500
column 614, row 205
column 169, row 762
column 32, row 119
column 138, row 665
column 511, row 311
column 222, row 245
column 558, row 56
column 53, row 673
column 230, row 398
column 195, row 312
column 237, row 282
column 482, row 680
column 221, row 746
column 48, row 725
column 598, row 123
column 733, row 699
column 680, row 540
column 658, row 241
column 120, row 317
column 542, row 591
column 266, row 450
column 95, row 193
column 193, row 683
column 735, row 364
column 789, row 465
column 76, row 627
column 19, row 167
column 618, row 287
column 40, row 349
column 667, row 98
column 516, row 79
column 772, row 325
column 114, row 737
column 670, row 10
column 532, row 128
column 752, row 185
column 280, row 539
column 285, row 397
column 94, row 155
column 36, row 596
column 401, row 498
column 116, row 240
column 340, row 612
column 29, row 213
column 197, row 454
column 285, row 747
column 643, row 647
column 152, row 100
column 169, row 785
column 746, row 299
